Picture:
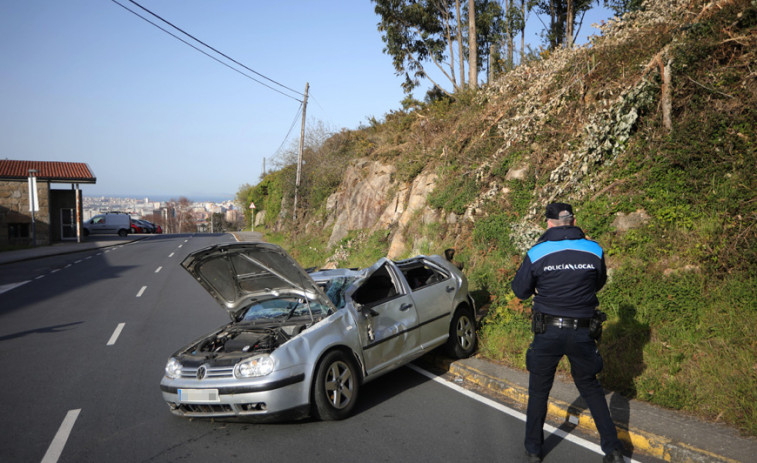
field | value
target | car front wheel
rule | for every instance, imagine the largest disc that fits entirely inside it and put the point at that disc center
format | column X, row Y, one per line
column 462, row 334
column 336, row 387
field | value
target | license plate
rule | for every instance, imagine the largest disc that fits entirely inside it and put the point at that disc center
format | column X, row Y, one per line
column 199, row 395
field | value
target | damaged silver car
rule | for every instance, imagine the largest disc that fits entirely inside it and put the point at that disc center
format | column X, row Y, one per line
column 303, row 343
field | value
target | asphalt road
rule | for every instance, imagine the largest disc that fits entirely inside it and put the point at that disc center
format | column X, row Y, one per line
column 83, row 343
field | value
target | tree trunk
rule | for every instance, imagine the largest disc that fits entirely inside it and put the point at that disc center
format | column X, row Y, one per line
column 460, row 43
column 492, row 48
column 667, row 103
column 523, row 32
column 569, row 25
column 472, row 46
column 448, row 34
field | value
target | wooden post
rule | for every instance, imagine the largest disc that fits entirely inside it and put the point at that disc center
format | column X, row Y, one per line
column 299, row 156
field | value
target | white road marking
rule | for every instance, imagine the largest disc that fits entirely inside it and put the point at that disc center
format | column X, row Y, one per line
column 10, row 286
column 55, row 270
column 41, row 276
column 77, row 261
column 181, row 245
column 56, row 446
column 116, row 334
column 170, row 255
column 514, row 413
column 158, row 269
column 141, row 291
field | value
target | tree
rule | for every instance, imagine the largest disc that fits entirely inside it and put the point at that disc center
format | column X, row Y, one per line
column 179, row 215
column 472, row 46
column 417, row 32
column 564, row 15
column 621, row 7
column 421, row 32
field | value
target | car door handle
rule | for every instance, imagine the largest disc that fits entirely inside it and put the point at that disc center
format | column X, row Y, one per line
column 450, row 289
column 404, row 307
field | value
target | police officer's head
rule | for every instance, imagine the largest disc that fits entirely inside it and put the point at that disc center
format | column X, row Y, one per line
column 559, row 215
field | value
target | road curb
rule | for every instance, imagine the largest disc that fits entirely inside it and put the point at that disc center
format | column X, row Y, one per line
column 558, row 411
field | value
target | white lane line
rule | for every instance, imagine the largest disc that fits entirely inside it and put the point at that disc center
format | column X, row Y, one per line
column 9, row 286
column 56, row 446
column 516, row 414
column 181, row 245
column 77, row 261
column 41, row 276
column 116, row 334
column 141, row 291
column 158, row 269
column 55, row 270
column 171, row 255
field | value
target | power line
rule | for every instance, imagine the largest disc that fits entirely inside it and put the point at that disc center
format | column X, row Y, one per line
column 207, row 54
column 294, row 121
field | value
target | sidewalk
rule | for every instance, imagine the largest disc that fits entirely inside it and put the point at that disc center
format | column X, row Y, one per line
column 66, row 247
column 89, row 243
column 645, row 429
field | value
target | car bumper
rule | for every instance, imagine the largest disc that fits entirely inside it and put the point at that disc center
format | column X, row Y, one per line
column 257, row 399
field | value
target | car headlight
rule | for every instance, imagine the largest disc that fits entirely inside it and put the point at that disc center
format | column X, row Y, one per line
column 173, row 368
column 260, row 365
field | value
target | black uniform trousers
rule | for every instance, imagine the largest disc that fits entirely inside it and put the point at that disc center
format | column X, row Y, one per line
column 542, row 358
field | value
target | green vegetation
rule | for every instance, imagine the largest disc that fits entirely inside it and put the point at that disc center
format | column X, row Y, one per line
column 682, row 293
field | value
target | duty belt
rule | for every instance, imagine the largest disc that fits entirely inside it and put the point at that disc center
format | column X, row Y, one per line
column 565, row 322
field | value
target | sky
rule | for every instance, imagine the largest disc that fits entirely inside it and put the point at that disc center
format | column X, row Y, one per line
column 88, row 81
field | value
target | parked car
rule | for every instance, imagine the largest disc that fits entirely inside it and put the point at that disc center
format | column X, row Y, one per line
column 136, row 227
column 303, row 343
column 108, row 223
column 147, row 227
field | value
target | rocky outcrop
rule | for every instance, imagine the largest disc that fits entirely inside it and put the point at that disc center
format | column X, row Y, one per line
column 361, row 198
column 370, row 198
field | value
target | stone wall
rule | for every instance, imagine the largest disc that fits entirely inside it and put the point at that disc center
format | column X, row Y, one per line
column 14, row 209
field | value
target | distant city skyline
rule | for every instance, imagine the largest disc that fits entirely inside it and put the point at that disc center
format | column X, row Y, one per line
column 163, row 198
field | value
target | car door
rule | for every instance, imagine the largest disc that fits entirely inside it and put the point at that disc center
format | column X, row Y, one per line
column 387, row 320
column 433, row 290
column 97, row 225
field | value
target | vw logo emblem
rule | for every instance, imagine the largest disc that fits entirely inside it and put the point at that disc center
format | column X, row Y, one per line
column 201, row 372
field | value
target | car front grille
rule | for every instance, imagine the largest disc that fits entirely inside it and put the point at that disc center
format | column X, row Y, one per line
column 206, row 409
column 218, row 410
column 210, row 372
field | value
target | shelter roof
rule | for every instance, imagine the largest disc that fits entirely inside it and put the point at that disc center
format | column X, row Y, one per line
column 52, row 171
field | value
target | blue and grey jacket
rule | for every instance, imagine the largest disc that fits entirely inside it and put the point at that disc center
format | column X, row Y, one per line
column 564, row 270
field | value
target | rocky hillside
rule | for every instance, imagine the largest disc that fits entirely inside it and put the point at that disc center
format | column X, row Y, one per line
column 649, row 131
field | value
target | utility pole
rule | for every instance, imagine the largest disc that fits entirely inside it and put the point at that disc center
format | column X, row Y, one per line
column 299, row 156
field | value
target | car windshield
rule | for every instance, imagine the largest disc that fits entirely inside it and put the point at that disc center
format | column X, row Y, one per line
column 283, row 309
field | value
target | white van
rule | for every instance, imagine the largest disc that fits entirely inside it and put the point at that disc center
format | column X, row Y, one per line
column 108, row 223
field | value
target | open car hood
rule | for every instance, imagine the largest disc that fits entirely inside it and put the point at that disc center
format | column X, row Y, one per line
column 238, row 274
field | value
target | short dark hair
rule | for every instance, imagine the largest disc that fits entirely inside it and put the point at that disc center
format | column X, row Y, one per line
column 559, row 211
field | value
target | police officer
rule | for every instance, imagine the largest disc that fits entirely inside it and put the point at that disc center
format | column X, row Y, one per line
column 564, row 271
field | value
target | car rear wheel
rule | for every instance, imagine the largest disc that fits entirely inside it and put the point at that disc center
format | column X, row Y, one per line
column 336, row 387
column 462, row 334
column 122, row 232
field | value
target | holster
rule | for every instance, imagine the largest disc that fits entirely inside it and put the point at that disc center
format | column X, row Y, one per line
column 538, row 322
column 595, row 325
